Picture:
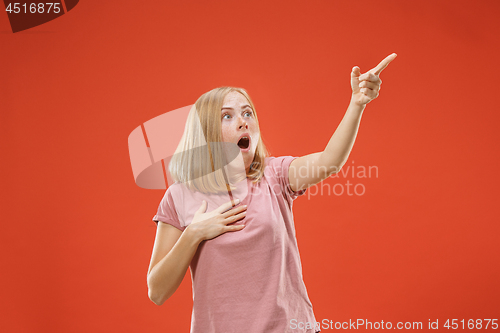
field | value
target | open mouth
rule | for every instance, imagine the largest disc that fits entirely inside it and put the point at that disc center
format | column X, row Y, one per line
column 244, row 142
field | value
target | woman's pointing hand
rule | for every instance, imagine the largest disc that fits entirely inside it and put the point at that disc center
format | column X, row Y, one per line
column 366, row 87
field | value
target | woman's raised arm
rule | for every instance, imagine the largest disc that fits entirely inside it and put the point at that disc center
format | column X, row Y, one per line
column 310, row 169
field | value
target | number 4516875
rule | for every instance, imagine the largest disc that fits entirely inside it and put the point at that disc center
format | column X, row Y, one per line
column 33, row 8
column 471, row 324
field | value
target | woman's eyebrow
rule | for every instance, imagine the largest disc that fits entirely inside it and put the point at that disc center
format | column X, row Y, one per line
column 244, row 106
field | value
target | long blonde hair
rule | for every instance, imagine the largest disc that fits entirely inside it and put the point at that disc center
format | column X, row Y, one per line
column 199, row 160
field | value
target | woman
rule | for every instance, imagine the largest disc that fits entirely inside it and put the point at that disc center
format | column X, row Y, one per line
column 229, row 215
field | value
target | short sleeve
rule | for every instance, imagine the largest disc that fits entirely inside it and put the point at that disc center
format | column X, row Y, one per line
column 280, row 167
column 167, row 213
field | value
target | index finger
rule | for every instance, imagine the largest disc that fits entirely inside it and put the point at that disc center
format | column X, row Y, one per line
column 383, row 64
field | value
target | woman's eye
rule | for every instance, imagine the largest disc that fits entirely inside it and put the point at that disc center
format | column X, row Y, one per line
column 226, row 115
column 248, row 113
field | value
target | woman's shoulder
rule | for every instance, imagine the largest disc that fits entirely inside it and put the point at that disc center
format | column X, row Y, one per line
column 268, row 159
column 179, row 188
column 277, row 166
column 278, row 160
column 176, row 192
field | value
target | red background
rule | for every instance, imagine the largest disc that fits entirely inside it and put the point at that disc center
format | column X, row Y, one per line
column 421, row 243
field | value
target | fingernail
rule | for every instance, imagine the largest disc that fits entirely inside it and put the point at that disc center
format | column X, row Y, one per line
column 237, row 200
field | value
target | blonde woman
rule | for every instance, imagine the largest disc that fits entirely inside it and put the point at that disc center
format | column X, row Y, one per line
column 228, row 216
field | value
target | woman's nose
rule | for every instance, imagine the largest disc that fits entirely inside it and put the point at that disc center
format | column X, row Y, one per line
column 243, row 124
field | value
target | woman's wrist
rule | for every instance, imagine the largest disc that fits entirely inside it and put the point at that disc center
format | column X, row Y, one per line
column 356, row 102
column 193, row 235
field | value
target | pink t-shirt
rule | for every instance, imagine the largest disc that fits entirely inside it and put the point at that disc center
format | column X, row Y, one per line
column 248, row 280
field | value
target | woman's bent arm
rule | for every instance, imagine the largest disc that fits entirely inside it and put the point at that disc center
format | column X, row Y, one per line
column 174, row 249
column 172, row 254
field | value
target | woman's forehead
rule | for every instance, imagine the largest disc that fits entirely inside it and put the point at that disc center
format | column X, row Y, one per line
column 235, row 99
